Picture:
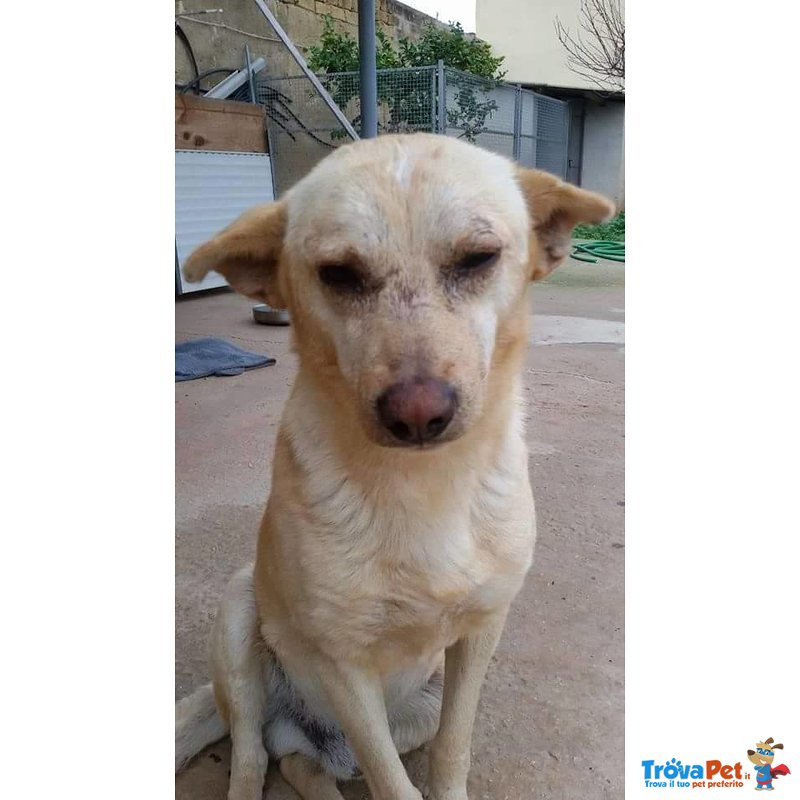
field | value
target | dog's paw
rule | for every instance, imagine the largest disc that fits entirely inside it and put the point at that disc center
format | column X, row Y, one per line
column 446, row 793
column 440, row 787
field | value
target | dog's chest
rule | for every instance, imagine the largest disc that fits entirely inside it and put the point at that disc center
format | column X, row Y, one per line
column 406, row 577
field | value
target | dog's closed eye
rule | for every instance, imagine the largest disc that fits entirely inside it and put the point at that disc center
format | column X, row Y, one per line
column 472, row 268
column 342, row 278
column 477, row 261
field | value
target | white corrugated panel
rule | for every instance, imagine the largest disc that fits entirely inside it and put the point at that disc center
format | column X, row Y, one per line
column 211, row 190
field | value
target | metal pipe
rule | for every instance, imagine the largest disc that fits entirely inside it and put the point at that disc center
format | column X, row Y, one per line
column 301, row 62
column 229, row 85
column 367, row 69
column 250, row 76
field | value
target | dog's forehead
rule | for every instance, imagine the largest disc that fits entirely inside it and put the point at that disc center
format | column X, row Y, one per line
column 429, row 188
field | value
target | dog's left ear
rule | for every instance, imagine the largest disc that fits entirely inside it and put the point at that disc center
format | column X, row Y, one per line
column 247, row 253
column 556, row 208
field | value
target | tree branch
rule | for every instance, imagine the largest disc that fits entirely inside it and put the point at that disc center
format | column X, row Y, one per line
column 597, row 51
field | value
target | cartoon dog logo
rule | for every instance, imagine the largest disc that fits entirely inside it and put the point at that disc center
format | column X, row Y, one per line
column 762, row 757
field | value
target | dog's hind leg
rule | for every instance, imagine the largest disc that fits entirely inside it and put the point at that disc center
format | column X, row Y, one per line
column 197, row 724
column 308, row 779
column 240, row 664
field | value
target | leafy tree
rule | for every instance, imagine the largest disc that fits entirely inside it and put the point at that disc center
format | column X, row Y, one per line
column 455, row 48
column 408, row 96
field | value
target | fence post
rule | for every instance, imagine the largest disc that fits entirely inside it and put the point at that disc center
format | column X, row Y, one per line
column 517, row 122
column 442, row 97
column 434, row 100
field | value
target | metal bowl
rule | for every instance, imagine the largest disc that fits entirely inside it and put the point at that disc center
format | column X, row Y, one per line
column 266, row 315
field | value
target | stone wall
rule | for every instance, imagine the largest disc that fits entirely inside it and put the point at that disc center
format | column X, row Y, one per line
column 217, row 45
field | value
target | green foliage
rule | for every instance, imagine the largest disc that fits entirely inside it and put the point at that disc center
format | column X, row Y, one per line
column 611, row 231
column 387, row 58
column 408, row 97
column 454, row 48
column 470, row 113
column 338, row 52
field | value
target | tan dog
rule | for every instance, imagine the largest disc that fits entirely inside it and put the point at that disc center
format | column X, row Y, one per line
column 400, row 524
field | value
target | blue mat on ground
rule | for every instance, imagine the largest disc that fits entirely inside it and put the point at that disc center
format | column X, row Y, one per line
column 200, row 358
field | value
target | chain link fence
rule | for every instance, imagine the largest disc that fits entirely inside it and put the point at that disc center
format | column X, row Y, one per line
column 515, row 122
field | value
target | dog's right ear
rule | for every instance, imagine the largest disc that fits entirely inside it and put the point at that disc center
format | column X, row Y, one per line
column 246, row 253
column 555, row 208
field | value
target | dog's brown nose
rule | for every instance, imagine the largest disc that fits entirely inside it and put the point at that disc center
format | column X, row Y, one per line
column 418, row 410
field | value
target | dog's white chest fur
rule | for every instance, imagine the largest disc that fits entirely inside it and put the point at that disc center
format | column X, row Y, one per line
column 400, row 569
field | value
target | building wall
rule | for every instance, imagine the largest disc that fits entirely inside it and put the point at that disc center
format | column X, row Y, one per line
column 524, row 32
column 603, row 168
column 216, row 46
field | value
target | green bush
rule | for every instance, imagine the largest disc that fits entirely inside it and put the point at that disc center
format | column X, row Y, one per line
column 455, row 48
column 338, row 52
column 611, row 231
column 409, row 102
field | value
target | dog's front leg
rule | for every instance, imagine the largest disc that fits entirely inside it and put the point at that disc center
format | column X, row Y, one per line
column 466, row 662
column 357, row 698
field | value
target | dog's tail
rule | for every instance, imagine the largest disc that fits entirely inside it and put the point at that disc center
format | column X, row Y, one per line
column 197, row 724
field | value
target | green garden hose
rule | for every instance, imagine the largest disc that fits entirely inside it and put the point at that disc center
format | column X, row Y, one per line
column 613, row 251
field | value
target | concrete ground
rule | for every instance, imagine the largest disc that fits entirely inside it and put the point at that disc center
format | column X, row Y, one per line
column 550, row 723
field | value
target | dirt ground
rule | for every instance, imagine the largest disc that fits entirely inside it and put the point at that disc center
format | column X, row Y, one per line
column 550, row 722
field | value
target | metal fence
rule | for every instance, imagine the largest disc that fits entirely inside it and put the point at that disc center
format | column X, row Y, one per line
column 515, row 122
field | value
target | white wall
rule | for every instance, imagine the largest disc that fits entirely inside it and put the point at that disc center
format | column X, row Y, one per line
column 603, row 168
column 524, row 32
